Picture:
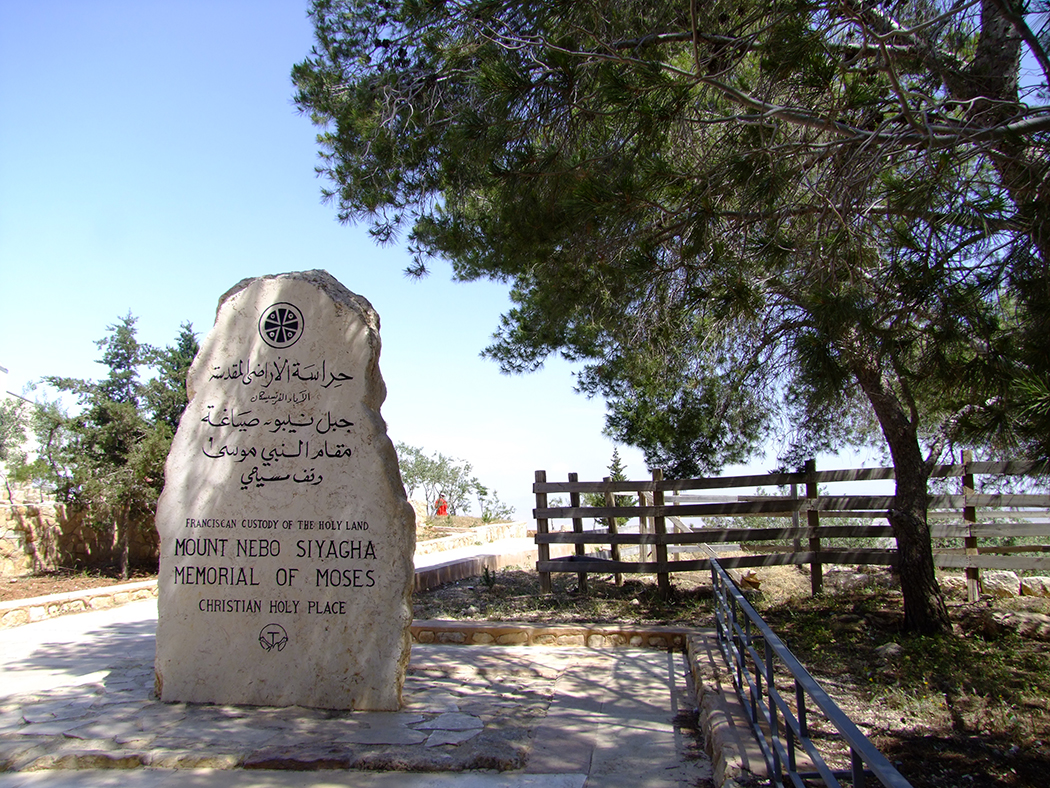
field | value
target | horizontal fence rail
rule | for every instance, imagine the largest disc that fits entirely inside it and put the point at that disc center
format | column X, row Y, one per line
column 959, row 520
column 755, row 656
column 1012, row 468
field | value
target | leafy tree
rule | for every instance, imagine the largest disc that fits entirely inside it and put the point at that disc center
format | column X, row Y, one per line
column 12, row 429
column 13, row 435
column 833, row 214
column 50, row 465
column 437, row 475
column 493, row 510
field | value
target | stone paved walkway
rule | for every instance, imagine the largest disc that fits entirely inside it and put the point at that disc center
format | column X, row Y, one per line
column 76, row 693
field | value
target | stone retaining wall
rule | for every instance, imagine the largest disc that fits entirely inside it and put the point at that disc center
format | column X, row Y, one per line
column 39, row 535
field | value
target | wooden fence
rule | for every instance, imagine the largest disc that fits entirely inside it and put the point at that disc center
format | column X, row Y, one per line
column 959, row 522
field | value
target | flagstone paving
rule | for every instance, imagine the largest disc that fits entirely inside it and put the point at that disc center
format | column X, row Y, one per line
column 76, row 693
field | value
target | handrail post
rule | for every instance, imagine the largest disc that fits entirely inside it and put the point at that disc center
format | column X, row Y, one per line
column 803, row 726
column 856, row 769
column 816, row 574
column 771, row 704
column 543, row 550
column 973, row 574
column 614, row 548
column 663, row 579
column 577, row 528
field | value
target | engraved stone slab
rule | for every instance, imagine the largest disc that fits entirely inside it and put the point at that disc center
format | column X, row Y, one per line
column 286, row 537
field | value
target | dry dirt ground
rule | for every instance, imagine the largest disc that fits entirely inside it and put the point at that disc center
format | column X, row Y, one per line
column 971, row 709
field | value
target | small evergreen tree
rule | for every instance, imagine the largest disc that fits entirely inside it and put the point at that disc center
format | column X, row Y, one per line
column 617, row 473
column 166, row 394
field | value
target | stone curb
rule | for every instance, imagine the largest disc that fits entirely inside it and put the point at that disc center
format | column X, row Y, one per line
column 486, row 633
column 27, row 611
column 487, row 558
column 429, row 577
column 736, row 757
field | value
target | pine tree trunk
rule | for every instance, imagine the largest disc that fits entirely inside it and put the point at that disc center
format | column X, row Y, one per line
column 924, row 608
column 124, row 545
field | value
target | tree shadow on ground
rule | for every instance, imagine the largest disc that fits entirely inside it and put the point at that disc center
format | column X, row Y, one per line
column 117, row 646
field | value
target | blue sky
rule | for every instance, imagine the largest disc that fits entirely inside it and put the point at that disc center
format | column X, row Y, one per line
column 151, row 157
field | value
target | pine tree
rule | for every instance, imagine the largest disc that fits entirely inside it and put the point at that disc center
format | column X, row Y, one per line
column 736, row 214
column 108, row 459
column 166, row 394
column 617, row 473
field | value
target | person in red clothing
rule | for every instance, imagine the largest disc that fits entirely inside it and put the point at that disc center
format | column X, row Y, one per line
column 442, row 506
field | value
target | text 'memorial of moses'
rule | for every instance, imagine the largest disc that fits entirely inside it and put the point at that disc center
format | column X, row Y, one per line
column 286, row 537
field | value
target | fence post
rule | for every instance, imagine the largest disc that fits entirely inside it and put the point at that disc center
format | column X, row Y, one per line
column 610, row 500
column 663, row 579
column 644, row 550
column 816, row 573
column 543, row 551
column 973, row 574
column 577, row 528
column 796, row 543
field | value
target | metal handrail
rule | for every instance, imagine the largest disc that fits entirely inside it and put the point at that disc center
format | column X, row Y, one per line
column 766, row 707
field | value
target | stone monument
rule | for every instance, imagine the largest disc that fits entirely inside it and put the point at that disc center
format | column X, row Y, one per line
column 286, row 564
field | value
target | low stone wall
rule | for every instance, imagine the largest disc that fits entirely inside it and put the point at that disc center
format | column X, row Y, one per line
column 483, row 534
column 736, row 757
column 39, row 535
column 462, row 567
column 1000, row 584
